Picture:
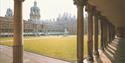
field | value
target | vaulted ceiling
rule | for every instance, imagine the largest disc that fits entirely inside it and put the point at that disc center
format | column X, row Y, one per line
column 114, row 10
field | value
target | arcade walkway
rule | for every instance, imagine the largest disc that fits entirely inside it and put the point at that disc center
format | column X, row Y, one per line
column 114, row 52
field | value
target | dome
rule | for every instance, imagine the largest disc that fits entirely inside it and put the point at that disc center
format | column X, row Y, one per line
column 9, row 12
column 35, row 8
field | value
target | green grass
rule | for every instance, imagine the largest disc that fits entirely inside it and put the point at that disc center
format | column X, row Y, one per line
column 5, row 38
column 53, row 46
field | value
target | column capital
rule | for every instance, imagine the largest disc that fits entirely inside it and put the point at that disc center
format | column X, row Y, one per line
column 106, row 20
column 102, row 17
column 96, row 13
column 80, row 2
column 99, row 15
column 19, row 0
column 90, row 9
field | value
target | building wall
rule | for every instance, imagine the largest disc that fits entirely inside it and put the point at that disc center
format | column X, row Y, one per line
column 6, row 25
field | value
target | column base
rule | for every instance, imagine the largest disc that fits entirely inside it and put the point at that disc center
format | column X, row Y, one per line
column 96, row 54
column 102, row 49
column 79, row 61
column 121, row 32
column 18, row 54
column 90, row 59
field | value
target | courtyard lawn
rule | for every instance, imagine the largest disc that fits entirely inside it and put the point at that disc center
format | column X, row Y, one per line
column 5, row 38
column 60, row 47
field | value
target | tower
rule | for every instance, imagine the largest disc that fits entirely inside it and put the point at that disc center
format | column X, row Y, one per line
column 35, row 12
column 9, row 13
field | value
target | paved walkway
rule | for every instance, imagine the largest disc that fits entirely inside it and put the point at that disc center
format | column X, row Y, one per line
column 6, row 57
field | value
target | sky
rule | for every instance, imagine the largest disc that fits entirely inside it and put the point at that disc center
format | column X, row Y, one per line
column 49, row 9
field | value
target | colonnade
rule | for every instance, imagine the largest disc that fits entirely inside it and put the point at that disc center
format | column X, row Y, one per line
column 94, row 19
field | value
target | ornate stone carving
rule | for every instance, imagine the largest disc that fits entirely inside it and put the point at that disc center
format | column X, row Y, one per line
column 80, row 2
column 95, row 12
column 90, row 9
column 19, row 0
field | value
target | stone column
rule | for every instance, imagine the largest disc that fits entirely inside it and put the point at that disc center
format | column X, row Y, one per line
column 96, row 32
column 106, row 33
column 105, row 30
column 18, row 32
column 112, row 32
column 80, row 30
column 109, row 32
column 102, row 33
column 89, row 9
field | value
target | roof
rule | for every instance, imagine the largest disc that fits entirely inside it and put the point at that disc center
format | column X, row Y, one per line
column 114, row 10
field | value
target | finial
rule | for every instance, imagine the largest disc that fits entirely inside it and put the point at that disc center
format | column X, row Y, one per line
column 35, row 3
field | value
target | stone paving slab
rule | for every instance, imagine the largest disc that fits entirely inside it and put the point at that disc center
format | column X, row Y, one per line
column 117, row 55
column 6, row 57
